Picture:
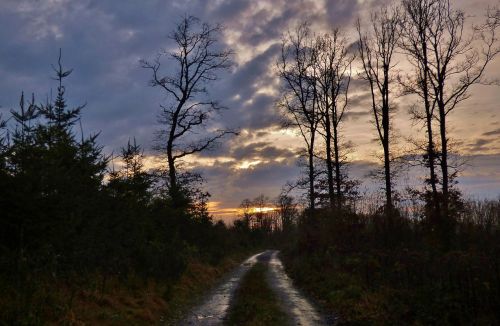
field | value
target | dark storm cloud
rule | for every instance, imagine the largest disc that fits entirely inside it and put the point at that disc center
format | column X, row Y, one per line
column 263, row 21
column 103, row 41
column 352, row 48
column 340, row 12
column 485, row 181
column 261, row 113
column 249, row 76
column 269, row 28
column 359, row 103
column 230, row 9
column 267, row 175
column 233, row 185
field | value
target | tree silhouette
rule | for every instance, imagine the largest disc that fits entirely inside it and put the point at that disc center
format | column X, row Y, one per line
column 419, row 15
column 455, row 65
column 288, row 211
column 197, row 62
column 376, row 53
column 332, row 65
column 300, row 100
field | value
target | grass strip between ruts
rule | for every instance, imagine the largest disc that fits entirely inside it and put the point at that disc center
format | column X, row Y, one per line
column 255, row 302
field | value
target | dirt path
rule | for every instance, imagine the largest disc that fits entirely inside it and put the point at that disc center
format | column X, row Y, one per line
column 298, row 308
column 214, row 308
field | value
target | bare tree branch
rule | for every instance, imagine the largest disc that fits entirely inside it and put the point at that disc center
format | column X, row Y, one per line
column 198, row 61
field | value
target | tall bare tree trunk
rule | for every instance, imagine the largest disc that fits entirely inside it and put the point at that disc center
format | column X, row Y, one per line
column 444, row 156
column 329, row 162
column 431, row 150
column 311, row 174
column 385, row 142
column 338, row 176
column 300, row 98
column 429, row 111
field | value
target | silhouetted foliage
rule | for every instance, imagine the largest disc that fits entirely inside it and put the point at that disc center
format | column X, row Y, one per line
column 364, row 273
column 62, row 223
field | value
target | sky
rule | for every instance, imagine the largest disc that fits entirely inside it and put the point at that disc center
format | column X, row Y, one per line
column 103, row 41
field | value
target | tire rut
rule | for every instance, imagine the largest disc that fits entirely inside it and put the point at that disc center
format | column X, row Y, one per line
column 213, row 310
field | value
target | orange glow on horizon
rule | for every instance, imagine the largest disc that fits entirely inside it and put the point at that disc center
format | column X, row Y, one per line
column 229, row 214
column 261, row 209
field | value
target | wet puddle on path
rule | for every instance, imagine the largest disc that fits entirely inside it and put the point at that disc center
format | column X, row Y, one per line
column 214, row 308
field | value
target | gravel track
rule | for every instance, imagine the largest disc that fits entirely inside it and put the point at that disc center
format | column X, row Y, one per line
column 213, row 309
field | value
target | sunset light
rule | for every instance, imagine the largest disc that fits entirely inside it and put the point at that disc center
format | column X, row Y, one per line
column 250, row 162
column 254, row 210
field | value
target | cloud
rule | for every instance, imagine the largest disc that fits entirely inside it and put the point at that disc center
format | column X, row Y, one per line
column 262, row 150
column 482, row 178
column 232, row 185
column 492, row 132
column 341, row 12
column 481, row 145
column 104, row 40
column 355, row 115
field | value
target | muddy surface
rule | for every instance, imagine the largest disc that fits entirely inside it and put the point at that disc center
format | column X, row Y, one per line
column 299, row 309
column 214, row 308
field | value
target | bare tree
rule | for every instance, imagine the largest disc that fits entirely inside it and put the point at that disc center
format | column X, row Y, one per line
column 456, row 62
column 376, row 52
column 295, row 67
column 287, row 209
column 332, row 64
column 246, row 207
column 419, row 15
column 260, row 203
column 198, row 59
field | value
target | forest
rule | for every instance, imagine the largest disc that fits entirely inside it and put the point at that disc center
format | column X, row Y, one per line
column 92, row 237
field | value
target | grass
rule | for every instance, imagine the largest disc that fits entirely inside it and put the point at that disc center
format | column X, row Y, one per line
column 129, row 301
column 365, row 275
column 256, row 303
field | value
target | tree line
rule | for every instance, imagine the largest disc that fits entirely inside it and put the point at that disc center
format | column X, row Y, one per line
column 445, row 58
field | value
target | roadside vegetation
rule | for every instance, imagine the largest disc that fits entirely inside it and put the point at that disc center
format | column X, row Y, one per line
column 366, row 272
